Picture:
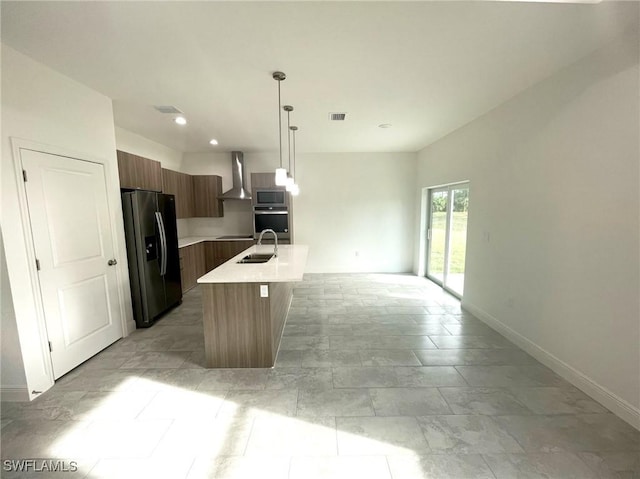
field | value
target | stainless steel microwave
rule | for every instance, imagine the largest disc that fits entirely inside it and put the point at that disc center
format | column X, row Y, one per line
column 270, row 198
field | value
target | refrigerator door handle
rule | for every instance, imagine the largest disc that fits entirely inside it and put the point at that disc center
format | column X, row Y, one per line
column 165, row 256
column 163, row 244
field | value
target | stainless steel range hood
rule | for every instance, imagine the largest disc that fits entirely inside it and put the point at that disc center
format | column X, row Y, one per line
column 238, row 191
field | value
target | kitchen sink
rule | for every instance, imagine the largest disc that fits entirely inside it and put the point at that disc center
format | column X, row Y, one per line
column 256, row 258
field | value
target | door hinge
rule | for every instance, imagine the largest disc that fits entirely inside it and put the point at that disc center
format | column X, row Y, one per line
column 50, row 347
column 38, row 264
column 24, row 175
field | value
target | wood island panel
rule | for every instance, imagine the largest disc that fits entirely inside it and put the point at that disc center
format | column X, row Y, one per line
column 242, row 329
column 281, row 297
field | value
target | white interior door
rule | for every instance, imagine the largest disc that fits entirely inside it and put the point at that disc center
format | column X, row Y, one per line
column 69, row 217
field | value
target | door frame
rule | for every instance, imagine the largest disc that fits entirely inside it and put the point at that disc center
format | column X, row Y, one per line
column 447, row 235
column 34, row 334
column 425, row 223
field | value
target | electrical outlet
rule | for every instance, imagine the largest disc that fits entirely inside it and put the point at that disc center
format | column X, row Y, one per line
column 264, row 290
column 357, row 253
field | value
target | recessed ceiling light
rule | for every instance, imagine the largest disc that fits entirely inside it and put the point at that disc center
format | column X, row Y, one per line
column 180, row 120
column 213, row 142
column 385, row 125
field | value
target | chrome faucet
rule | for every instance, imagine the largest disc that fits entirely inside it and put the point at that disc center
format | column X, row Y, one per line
column 275, row 237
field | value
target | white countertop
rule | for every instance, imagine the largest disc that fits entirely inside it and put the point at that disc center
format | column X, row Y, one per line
column 288, row 266
column 190, row 240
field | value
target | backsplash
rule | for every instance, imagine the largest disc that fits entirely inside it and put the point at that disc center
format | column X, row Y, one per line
column 237, row 219
column 182, row 225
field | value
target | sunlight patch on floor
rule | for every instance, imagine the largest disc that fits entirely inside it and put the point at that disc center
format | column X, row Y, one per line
column 178, row 429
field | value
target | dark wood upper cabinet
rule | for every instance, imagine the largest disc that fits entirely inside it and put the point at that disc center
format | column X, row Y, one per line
column 170, row 181
column 185, row 192
column 180, row 185
column 138, row 173
column 206, row 189
column 196, row 196
column 264, row 180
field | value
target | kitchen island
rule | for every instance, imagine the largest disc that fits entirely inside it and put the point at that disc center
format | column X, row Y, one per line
column 245, row 306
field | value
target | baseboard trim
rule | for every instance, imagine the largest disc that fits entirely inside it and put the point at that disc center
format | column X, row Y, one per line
column 611, row 401
column 130, row 327
column 14, row 393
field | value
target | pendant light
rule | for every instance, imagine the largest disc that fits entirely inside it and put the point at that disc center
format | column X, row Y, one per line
column 289, row 181
column 294, row 189
column 281, row 173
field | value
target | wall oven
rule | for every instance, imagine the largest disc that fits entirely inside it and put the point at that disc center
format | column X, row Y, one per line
column 271, row 217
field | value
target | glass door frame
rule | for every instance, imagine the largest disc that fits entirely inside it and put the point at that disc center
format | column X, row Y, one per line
column 448, row 226
column 431, row 192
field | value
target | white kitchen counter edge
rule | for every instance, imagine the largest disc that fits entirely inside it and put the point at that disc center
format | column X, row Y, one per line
column 191, row 240
column 288, row 266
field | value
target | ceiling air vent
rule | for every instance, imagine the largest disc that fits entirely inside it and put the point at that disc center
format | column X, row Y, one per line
column 167, row 109
column 337, row 116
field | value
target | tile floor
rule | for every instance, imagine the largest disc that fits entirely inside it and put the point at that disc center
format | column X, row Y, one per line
column 378, row 376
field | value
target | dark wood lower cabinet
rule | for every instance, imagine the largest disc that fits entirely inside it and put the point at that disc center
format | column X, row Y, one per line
column 210, row 255
column 192, row 265
column 218, row 252
column 198, row 259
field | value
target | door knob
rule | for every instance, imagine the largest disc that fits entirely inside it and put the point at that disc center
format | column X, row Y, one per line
column 112, row 262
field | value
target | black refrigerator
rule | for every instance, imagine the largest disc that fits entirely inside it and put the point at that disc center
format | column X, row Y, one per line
column 152, row 250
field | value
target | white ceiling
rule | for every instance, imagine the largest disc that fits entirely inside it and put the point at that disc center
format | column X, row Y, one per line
column 425, row 67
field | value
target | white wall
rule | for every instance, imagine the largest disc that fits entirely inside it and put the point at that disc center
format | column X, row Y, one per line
column 11, row 366
column 356, row 203
column 40, row 105
column 348, row 202
column 141, row 146
column 554, row 182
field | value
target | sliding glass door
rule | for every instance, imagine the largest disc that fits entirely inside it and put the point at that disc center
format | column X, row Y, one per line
column 447, row 236
column 437, row 234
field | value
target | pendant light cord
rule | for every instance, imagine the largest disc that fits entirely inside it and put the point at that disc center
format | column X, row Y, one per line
column 280, row 122
column 294, row 154
column 289, row 137
column 293, row 129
